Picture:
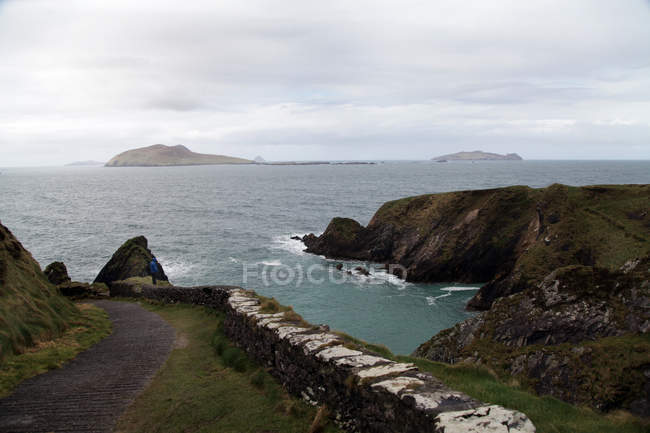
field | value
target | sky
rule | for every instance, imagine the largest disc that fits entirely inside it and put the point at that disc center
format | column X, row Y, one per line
column 313, row 80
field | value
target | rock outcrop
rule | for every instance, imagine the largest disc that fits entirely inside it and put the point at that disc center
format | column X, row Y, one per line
column 57, row 273
column 510, row 237
column 130, row 260
column 31, row 309
column 581, row 335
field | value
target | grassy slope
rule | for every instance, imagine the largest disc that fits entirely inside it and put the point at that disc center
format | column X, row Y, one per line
column 31, row 309
column 549, row 414
column 207, row 385
column 88, row 329
column 211, row 386
column 605, row 224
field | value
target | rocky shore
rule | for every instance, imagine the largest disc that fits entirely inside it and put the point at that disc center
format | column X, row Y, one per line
column 566, row 299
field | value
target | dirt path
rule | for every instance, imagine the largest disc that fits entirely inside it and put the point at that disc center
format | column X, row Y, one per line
column 90, row 393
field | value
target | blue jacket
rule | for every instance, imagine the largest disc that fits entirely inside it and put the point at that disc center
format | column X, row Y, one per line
column 153, row 266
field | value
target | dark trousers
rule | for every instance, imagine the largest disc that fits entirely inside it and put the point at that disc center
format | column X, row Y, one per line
column 153, row 279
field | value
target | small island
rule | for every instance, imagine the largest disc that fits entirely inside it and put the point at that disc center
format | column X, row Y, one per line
column 160, row 155
column 478, row 155
column 88, row 163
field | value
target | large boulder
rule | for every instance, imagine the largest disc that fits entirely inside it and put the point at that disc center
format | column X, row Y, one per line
column 130, row 260
column 57, row 273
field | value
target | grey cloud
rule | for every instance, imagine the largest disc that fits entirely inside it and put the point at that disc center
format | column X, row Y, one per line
column 306, row 76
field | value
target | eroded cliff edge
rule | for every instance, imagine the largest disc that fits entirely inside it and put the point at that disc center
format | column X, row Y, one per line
column 509, row 238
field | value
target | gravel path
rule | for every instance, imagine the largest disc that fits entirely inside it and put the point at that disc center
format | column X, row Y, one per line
column 90, row 393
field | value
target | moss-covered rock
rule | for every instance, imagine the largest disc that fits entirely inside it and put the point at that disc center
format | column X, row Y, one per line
column 130, row 260
column 581, row 335
column 509, row 238
column 57, row 273
column 31, row 309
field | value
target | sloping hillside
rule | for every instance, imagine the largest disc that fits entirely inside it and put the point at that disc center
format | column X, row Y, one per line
column 31, row 309
column 161, row 155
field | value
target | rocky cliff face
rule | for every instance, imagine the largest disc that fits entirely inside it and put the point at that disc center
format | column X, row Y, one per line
column 509, row 238
column 31, row 309
column 582, row 335
column 130, row 260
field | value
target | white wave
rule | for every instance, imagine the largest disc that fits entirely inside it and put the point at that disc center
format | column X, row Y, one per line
column 431, row 300
column 378, row 276
column 233, row 260
column 270, row 263
column 459, row 289
column 175, row 269
column 285, row 243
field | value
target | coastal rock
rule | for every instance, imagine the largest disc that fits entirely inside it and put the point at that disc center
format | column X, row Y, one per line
column 57, row 273
column 130, row 260
column 77, row 290
column 510, row 237
column 550, row 335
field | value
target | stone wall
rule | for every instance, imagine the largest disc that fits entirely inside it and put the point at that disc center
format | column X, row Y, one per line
column 366, row 392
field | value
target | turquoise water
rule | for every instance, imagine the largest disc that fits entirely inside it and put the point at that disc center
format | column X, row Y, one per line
column 208, row 224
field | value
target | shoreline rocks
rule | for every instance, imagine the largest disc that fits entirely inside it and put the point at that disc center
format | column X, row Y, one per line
column 580, row 335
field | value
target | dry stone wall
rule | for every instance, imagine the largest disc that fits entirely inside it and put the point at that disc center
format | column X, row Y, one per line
column 368, row 393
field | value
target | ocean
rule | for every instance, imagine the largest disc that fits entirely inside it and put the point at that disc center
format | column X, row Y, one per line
column 233, row 225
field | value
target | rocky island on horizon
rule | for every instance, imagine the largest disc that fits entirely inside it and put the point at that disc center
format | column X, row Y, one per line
column 160, row 155
column 477, row 155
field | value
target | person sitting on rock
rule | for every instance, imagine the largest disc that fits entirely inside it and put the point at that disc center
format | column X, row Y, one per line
column 153, row 269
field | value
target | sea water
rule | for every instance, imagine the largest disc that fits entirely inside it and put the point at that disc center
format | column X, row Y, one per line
column 233, row 225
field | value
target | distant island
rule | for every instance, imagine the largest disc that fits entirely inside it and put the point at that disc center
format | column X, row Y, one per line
column 88, row 163
column 478, row 155
column 160, row 155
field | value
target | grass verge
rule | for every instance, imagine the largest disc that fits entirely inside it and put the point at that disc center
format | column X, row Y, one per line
column 209, row 385
column 88, row 328
column 549, row 414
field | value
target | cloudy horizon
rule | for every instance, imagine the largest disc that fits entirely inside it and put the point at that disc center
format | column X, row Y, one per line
column 305, row 80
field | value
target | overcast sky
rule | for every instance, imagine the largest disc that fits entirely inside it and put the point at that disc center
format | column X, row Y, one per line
column 321, row 79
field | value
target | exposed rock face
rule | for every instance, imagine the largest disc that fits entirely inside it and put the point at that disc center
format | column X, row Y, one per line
column 77, row 290
column 581, row 335
column 57, row 273
column 30, row 307
column 130, row 260
column 510, row 238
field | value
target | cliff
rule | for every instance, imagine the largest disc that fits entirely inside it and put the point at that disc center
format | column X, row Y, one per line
column 509, row 238
column 31, row 309
column 581, row 335
column 478, row 155
column 161, row 155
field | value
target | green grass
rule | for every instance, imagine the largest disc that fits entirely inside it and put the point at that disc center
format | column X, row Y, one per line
column 208, row 385
column 549, row 414
column 31, row 309
column 89, row 328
